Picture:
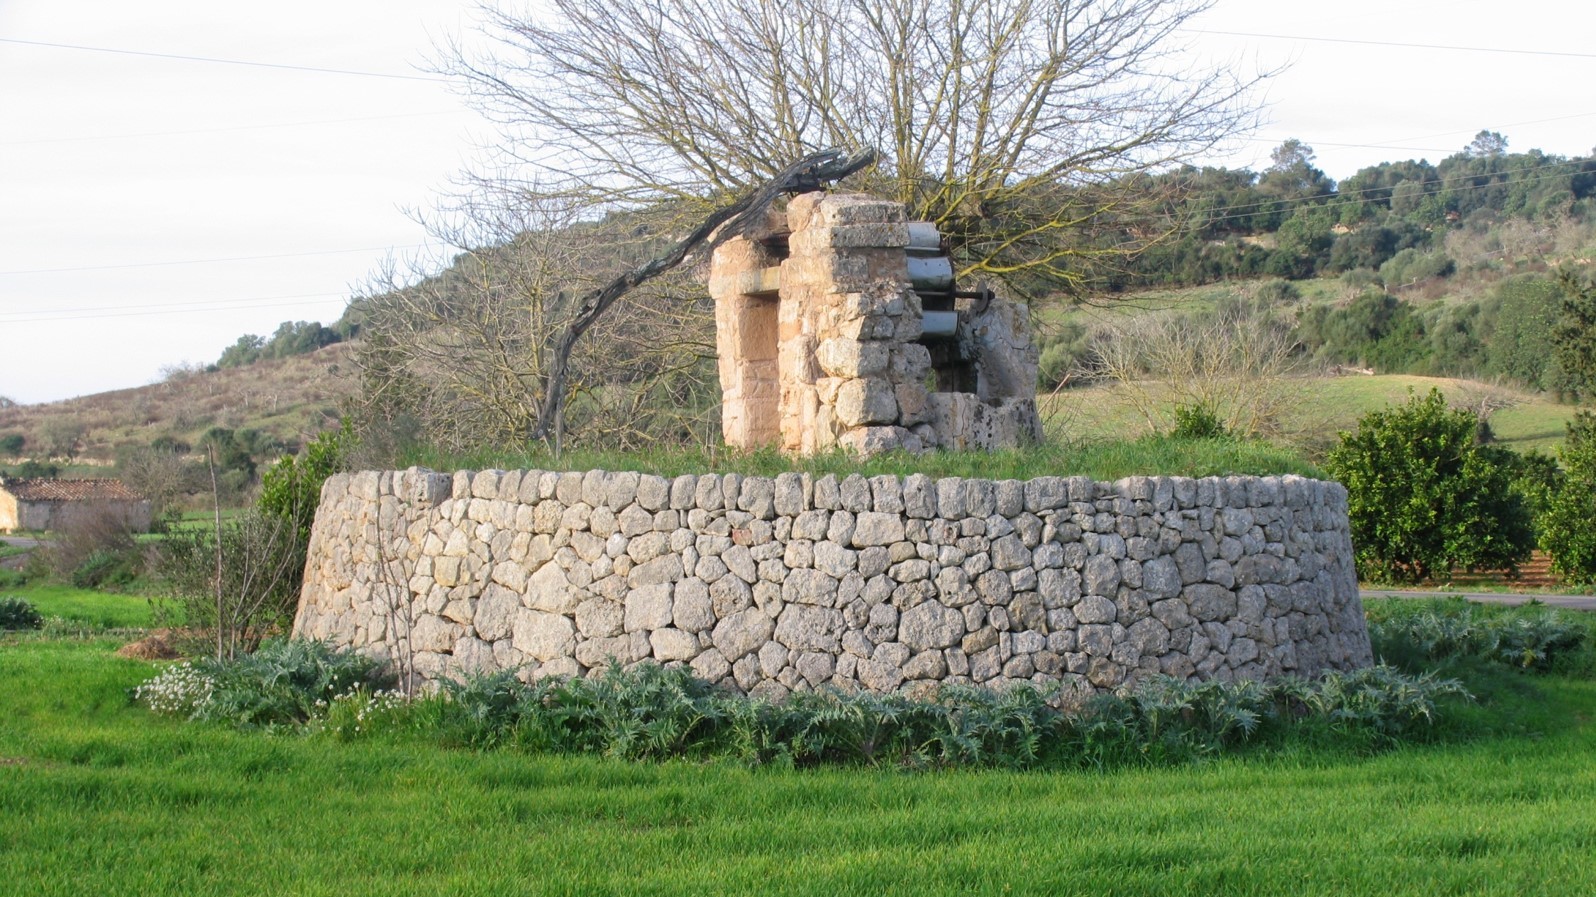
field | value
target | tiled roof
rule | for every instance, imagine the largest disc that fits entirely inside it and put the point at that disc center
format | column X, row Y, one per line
column 68, row 490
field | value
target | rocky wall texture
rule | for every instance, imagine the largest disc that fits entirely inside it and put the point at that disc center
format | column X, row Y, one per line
column 769, row 585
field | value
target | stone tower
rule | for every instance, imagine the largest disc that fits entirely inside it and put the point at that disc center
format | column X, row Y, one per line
column 839, row 325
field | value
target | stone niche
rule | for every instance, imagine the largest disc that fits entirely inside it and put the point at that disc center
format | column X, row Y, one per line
column 838, row 325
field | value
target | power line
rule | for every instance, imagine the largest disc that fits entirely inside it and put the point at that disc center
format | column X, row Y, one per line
column 164, row 305
column 1382, row 43
column 259, row 300
column 236, row 258
column 219, row 61
column 291, row 124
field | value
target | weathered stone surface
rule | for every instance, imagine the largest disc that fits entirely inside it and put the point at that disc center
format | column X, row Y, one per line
column 742, row 633
column 673, row 644
column 876, row 528
column 495, row 616
column 549, row 590
column 544, row 636
column 648, row 608
column 792, row 583
column 805, row 628
column 930, row 625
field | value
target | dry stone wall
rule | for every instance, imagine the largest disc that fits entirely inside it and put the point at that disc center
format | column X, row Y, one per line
column 796, row 582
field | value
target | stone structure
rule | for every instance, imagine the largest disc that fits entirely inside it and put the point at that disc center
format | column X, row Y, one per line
column 839, row 326
column 52, row 504
column 769, row 585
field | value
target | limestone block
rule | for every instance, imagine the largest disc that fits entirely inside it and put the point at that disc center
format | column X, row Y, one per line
column 544, row 636
column 648, row 608
column 805, row 628
column 847, row 358
column 549, row 590
column 600, row 618
column 874, row 528
column 741, row 633
column 496, row 613
column 930, row 625
column 673, row 644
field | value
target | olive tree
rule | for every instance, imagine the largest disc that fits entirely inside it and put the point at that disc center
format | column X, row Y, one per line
column 1018, row 126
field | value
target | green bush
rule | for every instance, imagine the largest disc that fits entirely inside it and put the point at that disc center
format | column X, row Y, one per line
column 1419, row 635
column 1568, row 526
column 1197, row 421
column 18, row 613
column 1424, row 497
column 284, row 682
column 652, row 712
column 106, row 569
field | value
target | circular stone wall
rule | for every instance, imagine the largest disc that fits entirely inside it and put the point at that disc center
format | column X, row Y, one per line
column 767, row 585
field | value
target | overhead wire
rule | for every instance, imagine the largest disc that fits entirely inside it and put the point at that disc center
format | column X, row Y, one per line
column 222, row 61
column 208, row 261
column 1384, row 43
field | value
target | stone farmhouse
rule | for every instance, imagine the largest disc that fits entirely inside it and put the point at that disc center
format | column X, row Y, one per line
column 47, row 504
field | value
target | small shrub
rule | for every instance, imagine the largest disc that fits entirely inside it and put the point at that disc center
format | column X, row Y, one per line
column 182, row 689
column 283, row 683
column 18, row 613
column 1380, row 699
column 1532, row 638
column 1197, row 421
column 1568, row 526
column 363, row 712
column 95, row 548
column 1424, row 497
column 106, row 568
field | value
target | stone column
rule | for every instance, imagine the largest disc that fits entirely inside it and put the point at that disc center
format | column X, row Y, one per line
column 851, row 373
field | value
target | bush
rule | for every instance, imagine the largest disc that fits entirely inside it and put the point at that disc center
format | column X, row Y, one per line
column 1568, row 527
column 653, row 712
column 94, row 549
column 1424, row 497
column 18, row 613
column 262, row 564
column 1197, row 421
column 285, row 682
column 1422, row 634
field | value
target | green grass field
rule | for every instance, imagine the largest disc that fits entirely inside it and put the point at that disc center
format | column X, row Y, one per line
column 98, row 796
column 88, row 608
column 1324, row 406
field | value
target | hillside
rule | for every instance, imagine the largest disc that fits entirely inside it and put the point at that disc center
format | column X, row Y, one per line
column 287, row 400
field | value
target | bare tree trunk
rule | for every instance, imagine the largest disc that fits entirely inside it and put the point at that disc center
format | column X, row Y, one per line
column 730, row 220
column 216, row 504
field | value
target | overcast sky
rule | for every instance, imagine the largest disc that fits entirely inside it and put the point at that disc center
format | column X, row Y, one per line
column 153, row 209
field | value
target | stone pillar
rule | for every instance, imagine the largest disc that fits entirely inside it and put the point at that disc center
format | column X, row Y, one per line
column 851, row 373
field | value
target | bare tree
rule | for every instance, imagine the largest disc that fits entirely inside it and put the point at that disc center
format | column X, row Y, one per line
column 1232, row 363
column 472, row 355
column 160, row 475
column 502, row 328
column 1015, row 125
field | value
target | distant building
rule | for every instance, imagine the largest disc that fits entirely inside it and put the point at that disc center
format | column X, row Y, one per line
column 51, row 504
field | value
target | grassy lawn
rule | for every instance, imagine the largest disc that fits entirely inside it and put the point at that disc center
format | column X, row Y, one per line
column 99, row 796
column 89, row 608
column 1101, row 458
column 1326, row 405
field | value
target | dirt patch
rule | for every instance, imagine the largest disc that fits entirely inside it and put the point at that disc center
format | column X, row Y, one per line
column 1536, row 575
column 155, row 646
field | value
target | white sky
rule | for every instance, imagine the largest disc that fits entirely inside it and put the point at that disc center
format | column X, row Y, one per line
column 153, row 210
